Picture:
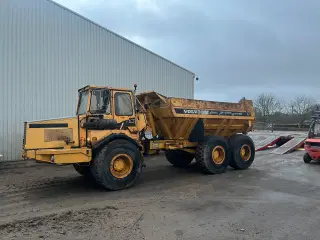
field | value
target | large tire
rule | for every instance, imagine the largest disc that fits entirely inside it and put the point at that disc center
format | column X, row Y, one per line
column 213, row 155
column 83, row 169
column 104, row 165
column 179, row 158
column 307, row 158
column 239, row 144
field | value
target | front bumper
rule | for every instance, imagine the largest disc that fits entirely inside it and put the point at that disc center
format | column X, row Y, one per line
column 59, row 156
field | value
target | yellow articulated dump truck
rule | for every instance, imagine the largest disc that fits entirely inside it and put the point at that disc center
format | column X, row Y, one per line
column 107, row 139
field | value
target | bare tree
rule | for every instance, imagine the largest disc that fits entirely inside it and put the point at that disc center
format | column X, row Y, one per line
column 315, row 107
column 267, row 105
column 286, row 108
column 301, row 106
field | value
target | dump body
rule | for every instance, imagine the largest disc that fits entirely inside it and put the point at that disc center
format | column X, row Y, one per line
column 175, row 118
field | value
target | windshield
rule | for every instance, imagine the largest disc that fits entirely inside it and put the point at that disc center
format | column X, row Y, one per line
column 100, row 101
column 83, row 102
column 315, row 130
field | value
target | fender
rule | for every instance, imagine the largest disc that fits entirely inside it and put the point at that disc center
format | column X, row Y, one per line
column 113, row 137
column 197, row 133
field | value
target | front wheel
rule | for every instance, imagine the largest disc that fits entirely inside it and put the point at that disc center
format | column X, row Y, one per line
column 307, row 158
column 118, row 165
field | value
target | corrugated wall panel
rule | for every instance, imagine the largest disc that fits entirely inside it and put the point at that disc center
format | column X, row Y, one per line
column 48, row 52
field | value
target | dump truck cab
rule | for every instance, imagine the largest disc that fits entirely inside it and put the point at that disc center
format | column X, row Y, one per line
column 102, row 114
column 107, row 102
column 108, row 112
column 106, row 139
column 314, row 130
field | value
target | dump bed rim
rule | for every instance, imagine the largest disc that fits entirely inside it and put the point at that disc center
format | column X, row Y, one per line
column 246, row 113
column 191, row 99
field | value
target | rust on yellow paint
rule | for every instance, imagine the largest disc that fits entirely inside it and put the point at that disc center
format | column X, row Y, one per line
column 40, row 138
column 51, row 135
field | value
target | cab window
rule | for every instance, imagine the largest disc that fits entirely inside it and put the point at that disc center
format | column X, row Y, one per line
column 100, row 101
column 83, row 101
column 317, row 129
column 123, row 104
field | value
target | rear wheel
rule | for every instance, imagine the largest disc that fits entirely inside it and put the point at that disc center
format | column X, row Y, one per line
column 179, row 158
column 242, row 151
column 213, row 155
column 83, row 169
column 118, row 165
column 307, row 158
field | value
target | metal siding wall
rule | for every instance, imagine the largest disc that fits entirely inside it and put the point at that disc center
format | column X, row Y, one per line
column 48, row 52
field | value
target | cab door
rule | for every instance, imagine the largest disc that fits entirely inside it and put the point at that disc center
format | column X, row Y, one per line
column 123, row 111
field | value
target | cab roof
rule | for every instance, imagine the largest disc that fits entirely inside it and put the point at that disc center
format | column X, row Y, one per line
column 102, row 87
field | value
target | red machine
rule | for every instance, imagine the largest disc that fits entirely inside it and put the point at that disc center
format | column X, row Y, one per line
column 312, row 143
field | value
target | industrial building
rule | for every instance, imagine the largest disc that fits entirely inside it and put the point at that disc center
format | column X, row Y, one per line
column 48, row 52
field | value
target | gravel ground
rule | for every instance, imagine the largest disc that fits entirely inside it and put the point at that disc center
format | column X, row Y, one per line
column 277, row 198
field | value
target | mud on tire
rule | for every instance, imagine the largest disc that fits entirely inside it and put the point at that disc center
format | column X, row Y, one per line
column 179, row 158
column 103, row 170
column 242, row 151
column 205, row 155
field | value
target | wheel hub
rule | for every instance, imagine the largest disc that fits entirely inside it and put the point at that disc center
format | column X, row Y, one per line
column 121, row 165
column 218, row 155
column 245, row 152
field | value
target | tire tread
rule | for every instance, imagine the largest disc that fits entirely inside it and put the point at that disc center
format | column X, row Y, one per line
column 201, row 160
column 235, row 162
column 98, row 163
